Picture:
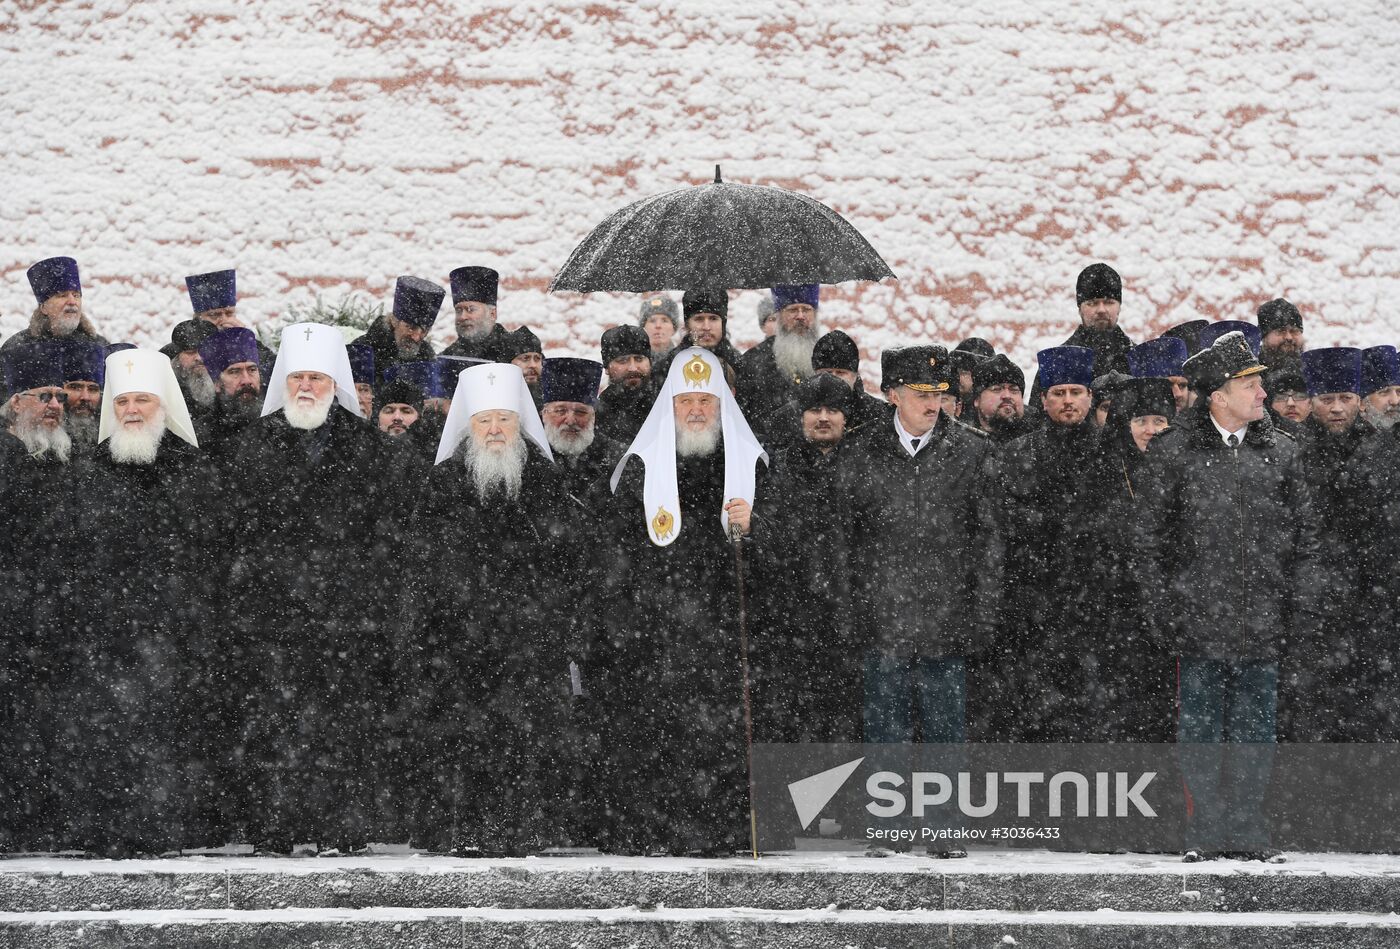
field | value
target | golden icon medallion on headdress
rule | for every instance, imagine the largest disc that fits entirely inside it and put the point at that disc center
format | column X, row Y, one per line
column 662, row 524
column 696, row 371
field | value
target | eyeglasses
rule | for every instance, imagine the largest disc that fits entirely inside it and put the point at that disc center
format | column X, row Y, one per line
column 62, row 397
column 1292, row 397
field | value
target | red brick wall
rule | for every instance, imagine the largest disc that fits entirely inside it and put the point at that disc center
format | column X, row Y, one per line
column 1217, row 155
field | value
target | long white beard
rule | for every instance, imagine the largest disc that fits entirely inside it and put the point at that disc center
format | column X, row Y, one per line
column 793, row 351
column 137, row 446
column 82, row 429
column 43, row 443
column 496, row 471
column 695, row 444
column 569, row 444
column 307, row 418
column 199, row 385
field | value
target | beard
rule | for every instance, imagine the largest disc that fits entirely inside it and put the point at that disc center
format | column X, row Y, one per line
column 496, row 472
column 137, row 446
column 792, row 350
column 697, row 444
column 196, row 383
column 569, row 443
column 308, row 417
column 42, row 443
column 65, row 323
column 475, row 332
column 243, row 405
column 408, row 349
column 1384, row 421
column 82, row 428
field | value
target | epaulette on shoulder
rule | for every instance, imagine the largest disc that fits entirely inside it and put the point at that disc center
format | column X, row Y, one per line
column 968, row 429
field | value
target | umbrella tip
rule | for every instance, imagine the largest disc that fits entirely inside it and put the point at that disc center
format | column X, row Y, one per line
column 718, row 180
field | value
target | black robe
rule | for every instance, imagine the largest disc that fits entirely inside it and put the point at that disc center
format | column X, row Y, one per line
column 805, row 657
column 621, row 411
column 37, row 540
column 380, row 339
column 484, row 659
column 311, row 521
column 1046, row 637
column 1129, row 688
column 668, row 676
column 131, row 701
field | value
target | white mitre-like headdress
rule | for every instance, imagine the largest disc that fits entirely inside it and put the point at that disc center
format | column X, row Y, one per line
column 692, row 370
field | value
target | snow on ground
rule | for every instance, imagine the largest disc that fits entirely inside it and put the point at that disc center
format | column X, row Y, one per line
column 1218, row 155
column 989, row 862
column 389, row 914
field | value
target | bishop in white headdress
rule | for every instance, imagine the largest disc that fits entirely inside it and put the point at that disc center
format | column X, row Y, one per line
column 695, row 415
column 670, row 648
column 141, row 401
column 311, row 371
column 491, row 419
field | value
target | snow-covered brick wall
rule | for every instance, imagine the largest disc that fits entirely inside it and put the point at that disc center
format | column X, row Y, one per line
column 1216, row 154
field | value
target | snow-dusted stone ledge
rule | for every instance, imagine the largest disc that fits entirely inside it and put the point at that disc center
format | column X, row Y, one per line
column 1027, row 881
column 653, row 929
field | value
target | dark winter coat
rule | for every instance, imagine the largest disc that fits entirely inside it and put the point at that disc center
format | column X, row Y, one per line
column 1128, row 688
column 1049, row 520
column 483, row 658
column 312, row 520
column 479, row 348
column 762, row 387
column 1331, row 687
column 926, row 550
column 805, row 659
column 28, row 336
column 783, row 427
column 621, row 411
column 668, row 676
column 380, row 338
column 1345, row 511
column 218, row 432
column 586, row 476
column 133, row 703
column 1232, row 540
column 39, row 536
column 1009, row 433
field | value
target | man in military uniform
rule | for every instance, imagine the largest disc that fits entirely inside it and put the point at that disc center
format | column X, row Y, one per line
column 1231, row 537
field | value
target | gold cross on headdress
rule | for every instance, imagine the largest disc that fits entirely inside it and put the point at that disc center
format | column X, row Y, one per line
column 130, row 365
column 491, row 378
column 308, row 334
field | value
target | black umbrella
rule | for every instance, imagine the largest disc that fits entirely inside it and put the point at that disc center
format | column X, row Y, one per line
column 723, row 236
